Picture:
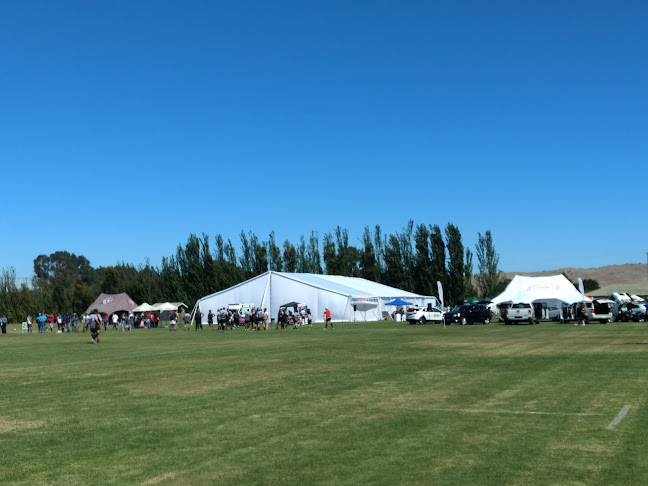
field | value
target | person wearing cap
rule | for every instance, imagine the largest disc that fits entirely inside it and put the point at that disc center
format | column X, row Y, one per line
column 327, row 315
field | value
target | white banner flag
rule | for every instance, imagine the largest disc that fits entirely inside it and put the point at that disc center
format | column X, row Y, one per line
column 581, row 288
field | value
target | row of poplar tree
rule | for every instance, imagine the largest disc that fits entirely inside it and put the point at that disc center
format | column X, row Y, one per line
column 413, row 259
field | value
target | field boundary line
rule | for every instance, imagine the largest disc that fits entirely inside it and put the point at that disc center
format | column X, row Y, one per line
column 620, row 416
column 509, row 412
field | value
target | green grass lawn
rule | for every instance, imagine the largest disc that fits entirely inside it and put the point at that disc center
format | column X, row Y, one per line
column 377, row 403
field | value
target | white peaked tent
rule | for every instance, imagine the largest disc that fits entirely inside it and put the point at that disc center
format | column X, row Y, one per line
column 548, row 289
column 348, row 298
column 166, row 306
column 145, row 307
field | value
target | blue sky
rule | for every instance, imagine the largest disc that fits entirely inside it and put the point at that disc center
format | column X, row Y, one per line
column 126, row 126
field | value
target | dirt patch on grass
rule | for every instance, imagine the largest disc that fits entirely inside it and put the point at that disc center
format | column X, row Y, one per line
column 8, row 425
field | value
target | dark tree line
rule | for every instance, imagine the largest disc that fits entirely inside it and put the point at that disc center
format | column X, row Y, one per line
column 413, row 259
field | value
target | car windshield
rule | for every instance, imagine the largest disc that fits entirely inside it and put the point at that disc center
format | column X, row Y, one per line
column 461, row 308
column 521, row 306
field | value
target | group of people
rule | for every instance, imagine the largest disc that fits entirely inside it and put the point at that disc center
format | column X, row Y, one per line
column 256, row 319
column 299, row 318
column 251, row 319
column 84, row 323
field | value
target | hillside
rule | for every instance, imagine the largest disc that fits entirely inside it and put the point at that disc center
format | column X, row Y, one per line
column 630, row 273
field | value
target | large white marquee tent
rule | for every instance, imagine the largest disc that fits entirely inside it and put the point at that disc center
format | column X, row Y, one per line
column 551, row 289
column 348, row 298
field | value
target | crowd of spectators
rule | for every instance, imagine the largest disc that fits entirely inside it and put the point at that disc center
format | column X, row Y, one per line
column 60, row 323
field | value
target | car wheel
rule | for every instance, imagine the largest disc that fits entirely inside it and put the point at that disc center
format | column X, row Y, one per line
column 422, row 320
column 463, row 321
column 603, row 321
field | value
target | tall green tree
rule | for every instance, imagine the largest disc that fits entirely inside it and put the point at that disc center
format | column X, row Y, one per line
column 369, row 268
column 302, row 264
column 247, row 257
column 469, row 288
column 379, row 250
column 313, row 254
column 274, row 253
column 346, row 255
column 260, row 257
column 289, row 257
column 455, row 280
column 423, row 283
column 437, row 256
column 329, row 255
column 488, row 276
column 394, row 275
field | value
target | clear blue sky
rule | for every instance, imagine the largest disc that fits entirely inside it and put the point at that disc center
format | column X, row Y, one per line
column 127, row 125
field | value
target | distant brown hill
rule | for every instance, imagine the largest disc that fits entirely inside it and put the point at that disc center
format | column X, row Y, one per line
column 630, row 273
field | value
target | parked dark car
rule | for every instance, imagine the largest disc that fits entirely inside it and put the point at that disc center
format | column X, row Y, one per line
column 468, row 314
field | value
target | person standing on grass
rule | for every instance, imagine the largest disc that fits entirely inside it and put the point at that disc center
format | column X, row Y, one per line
column 259, row 316
column 327, row 316
column 115, row 319
column 94, row 323
column 578, row 315
column 309, row 319
column 51, row 322
column 583, row 313
column 29, row 323
column 266, row 318
column 198, row 319
column 75, row 322
column 187, row 321
column 210, row 319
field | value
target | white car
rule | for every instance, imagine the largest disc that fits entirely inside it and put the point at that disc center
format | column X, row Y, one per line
column 520, row 311
column 422, row 315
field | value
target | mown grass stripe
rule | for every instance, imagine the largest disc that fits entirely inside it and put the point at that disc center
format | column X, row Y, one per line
column 510, row 412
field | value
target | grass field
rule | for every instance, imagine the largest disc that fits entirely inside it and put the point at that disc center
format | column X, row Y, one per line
column 377, row 403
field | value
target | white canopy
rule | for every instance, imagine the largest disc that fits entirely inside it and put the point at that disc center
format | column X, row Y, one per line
column 540, row 289
column 167, row 306
column 144, row 308
column 348, row 298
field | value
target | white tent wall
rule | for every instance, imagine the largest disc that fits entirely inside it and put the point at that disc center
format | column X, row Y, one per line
column 273, row 289
column 248, row 292
column 286, row 289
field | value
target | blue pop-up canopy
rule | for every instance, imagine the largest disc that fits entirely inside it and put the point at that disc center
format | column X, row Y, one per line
column 398, row 301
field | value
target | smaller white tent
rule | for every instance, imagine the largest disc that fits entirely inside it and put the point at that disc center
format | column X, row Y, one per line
column 166, row 306
column 540, row 289
column 144, row 308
